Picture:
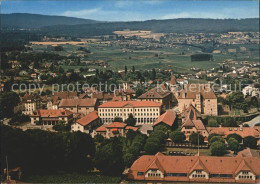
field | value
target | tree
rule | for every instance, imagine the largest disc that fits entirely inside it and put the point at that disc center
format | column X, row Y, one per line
column 130, row 135
column 218, row 149
column 212, row 135
column 194, row 138
column 133, row 69
column 8, row 101
column 216, row 138
column 152, row 146
column 109, row 157
column 250, row 142
column 130, row 121
column 125, row 70
column 236, row 100
column 233, row 144
column 153, row 74
column 118, row 119
column 129, row 159
column 62, row 126
column 212, row 122
column 235, row 136
column 177, row 137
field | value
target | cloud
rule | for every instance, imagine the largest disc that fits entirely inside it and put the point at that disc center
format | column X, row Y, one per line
column 218, row 14
column 81, row 13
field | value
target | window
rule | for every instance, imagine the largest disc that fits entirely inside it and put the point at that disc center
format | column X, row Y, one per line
column 176, row 174
column 141, row 173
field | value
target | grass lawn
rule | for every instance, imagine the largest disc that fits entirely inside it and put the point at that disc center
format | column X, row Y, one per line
column 71, row 178
column 205, row 152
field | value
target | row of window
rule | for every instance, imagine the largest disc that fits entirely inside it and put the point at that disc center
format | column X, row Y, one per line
column 176, row 174
column 129, row 110
column 154, row 174
column 220, row 176
column 245, row 177
column 138, row 120
column 136, row 114
column 198, row 175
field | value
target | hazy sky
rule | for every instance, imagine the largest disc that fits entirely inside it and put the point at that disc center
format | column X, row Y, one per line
column 115, row 10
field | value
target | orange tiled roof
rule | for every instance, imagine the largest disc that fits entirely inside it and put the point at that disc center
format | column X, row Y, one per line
column 66, row 94
column 117, row 98
column 52, row 113
column 155, row 93
column 243, row 131
column 132, row 128
column 190, row 91
column 116, row 125
column 168, row 118
column 101, row 129
column 88, row 118
column 191, row 112
column 131, row 103
column 86, row 102
column 181, row 164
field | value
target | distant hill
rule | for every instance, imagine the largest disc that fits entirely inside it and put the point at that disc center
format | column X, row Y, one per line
column 160, row 26
column 34, row 21
column 60, row 25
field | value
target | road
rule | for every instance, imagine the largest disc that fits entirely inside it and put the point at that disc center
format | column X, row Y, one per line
column 254, row 121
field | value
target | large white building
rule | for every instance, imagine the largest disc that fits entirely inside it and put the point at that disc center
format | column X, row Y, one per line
column 145, row 112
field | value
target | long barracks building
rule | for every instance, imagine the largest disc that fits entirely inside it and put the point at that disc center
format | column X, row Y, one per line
column 208, row 169
column 145, row 112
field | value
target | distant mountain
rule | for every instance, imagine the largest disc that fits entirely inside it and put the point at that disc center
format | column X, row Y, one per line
column 187, row 25
column 60, row 25
column 34, row 21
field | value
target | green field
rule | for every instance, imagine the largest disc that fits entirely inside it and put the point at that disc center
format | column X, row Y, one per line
column 176, row 59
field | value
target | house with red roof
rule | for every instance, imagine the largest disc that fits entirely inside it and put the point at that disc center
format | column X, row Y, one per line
column 191, row 122
column 50, row 117
column 87, row 123
column 114, row 129
column 168, row 118
column 192, row 169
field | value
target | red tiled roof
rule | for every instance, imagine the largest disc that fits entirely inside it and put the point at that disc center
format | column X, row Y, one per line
column 52, row 113
column 101, row 129
column 131, row 103
column 243, row 131
column 181, row 164
column 191, row 112
column 116, row 125
column 190, row 91
column 157, row 93
column 86, row 102
column 168, row 118
column 117, row 98
column 88, row 118
column 66, row 94
column 132, row 128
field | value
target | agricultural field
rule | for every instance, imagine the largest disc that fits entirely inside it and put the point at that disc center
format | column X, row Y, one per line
column 117, row 57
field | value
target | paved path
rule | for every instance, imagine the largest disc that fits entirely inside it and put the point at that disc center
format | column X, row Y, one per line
column 253, row 121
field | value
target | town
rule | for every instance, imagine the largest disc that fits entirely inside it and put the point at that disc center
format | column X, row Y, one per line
column 123, row 103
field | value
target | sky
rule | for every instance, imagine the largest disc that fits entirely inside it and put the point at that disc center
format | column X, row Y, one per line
column 136, row 10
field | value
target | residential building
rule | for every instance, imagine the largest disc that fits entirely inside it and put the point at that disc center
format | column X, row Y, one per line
column 242, row 131
column 30, row 103
column 202, row 169
column 145, row 112
column 168, row 118
column 81, row 106
column 191, row 123
column 201, row 96
column 114, row 129
column 158, row 95
column 66, row 94
column 50, row 117
column 87, row 123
